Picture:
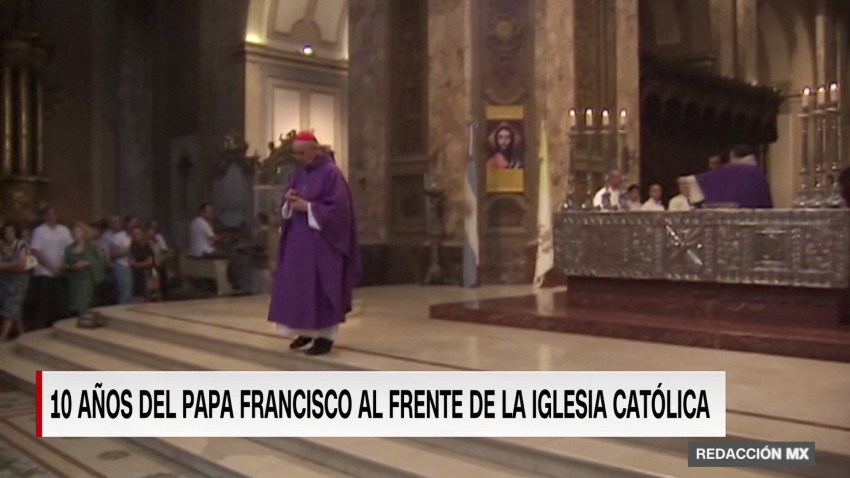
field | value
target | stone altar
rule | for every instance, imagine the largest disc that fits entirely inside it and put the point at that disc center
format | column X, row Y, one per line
column 798, row 248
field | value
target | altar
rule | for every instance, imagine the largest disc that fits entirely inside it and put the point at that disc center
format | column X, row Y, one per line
column 767, row 281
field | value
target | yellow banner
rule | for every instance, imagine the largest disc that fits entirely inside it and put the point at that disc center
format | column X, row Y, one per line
column 505, row 180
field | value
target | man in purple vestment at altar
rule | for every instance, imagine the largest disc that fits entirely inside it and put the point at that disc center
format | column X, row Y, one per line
column 319, row 258
column 741, row 183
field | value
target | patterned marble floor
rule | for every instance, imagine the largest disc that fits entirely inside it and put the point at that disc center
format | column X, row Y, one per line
column 24, row 456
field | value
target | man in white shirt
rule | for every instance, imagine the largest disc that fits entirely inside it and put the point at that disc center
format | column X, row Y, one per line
column 50, row 289
column 681, row 202
column 608, row 198
column 120, row 252
column 202, row 237
column 654, row 202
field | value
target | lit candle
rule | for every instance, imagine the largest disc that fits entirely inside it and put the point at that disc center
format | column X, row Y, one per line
column 822, row 95
column 833, row 93
column 623, row 117
column 807, row 97
column 588, row 121
column 606, row 118
column 572, row 118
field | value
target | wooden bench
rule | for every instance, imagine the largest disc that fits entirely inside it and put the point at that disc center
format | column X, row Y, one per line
column 208, row 268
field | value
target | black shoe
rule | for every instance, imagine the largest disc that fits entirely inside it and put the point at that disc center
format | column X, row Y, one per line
column 300, row 342
column 320, row 347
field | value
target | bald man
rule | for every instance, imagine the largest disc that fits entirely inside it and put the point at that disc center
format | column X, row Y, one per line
column 318, row 257
column 608, row 198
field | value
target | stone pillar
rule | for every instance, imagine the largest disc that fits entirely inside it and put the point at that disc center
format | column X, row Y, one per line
column 747, row 40
column 450, row 104
column 24, row 121
column 628, row 83
column 6, row 162
column 825, row 44
column 555, row 90
column 368, row 74
column 723, row 35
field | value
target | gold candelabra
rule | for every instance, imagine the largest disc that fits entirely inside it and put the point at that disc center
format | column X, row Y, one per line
column 820, row 129
column 600, row 139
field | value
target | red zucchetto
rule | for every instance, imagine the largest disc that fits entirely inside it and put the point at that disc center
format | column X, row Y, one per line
column 306, row 136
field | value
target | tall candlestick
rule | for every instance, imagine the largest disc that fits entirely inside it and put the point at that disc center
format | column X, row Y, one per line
column 588, row 118
column 8, row 111
column 807, row 97
column 606, row 118
column 573, row 119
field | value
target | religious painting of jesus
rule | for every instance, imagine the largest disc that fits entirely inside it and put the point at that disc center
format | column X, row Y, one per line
column 505, row 144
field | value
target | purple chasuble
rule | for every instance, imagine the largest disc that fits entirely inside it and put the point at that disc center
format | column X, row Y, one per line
column 317, row 270
column 741, row 184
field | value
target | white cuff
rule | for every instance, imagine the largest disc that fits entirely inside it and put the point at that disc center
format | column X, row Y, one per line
column 696, row 195
column 311, row 219
column 286, row 212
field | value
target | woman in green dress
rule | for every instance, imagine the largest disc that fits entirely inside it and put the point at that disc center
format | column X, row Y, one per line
column 84, row 265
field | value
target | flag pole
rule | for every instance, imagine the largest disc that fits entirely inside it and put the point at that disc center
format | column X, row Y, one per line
column 470, row 227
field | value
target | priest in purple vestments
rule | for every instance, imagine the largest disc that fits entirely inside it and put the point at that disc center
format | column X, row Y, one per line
column 319, row 258
column 741, row 183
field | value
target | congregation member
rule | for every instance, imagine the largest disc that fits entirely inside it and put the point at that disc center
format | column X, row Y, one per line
column 143, row 264
column 120, row 252
column 682, row 201
column 84, row 267
column 608, row 197
column 654, row 202
column 319, row 258
column 49, row 286
column 113, row 226
column 260, row 252
column 160, row 253
column 14, row 277
column 202, row 237
column 633, row 198
column 741, row 183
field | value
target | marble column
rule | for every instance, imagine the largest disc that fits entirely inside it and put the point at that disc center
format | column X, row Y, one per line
column 747, row 40
column 6, row 105
column 555, row 85
column 24, row 121
column 368, row 74
column 825, row 44
column 450, row 106
column 723, row 35
column 628, row 82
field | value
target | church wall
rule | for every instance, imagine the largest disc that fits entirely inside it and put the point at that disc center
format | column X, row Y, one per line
column 68, row 132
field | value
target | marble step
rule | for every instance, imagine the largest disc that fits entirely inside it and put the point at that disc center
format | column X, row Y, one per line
column 256, row 346
column 149, row 352
column 388, row 458
column 267, row 348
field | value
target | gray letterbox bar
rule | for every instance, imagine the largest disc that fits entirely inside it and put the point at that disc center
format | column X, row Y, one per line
column 751, row 454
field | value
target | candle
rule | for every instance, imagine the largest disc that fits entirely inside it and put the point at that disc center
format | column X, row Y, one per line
column 833, row 93
column 623, row 117
column 606, row 119
column 807, row 97
column 822, row 95
column 572, row 118
column 589, row 117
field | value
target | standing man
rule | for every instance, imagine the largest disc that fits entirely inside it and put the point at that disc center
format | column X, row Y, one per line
column 120, row 252
column 742, row 182
column 654, row 202
column 608, row 198
column 319, row 258
column 50, row 289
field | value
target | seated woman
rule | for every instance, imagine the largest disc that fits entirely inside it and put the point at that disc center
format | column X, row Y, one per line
column 143, row 263
column 84, row 266
column 14, row 278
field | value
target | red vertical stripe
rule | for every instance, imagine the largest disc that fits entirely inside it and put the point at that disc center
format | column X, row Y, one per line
column 38, row 400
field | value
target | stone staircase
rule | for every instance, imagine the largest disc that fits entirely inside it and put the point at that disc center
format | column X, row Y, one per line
column 137, row 341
